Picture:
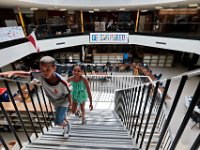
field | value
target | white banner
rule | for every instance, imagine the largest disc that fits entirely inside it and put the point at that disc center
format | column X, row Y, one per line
column 109, row 38
column 11, row 33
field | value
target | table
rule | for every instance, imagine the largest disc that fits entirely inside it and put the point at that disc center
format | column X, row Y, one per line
column 17, row 96
column 9, row 107
column 195, row 116
column 188, row 100
column 25, row 90
column 146, row 72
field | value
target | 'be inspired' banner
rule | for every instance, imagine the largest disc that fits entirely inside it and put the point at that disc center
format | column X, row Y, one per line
column 109, row 37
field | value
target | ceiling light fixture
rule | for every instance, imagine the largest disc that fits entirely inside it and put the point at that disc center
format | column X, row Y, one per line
column 122, row 9
column 62, row 9
column 33, row 9
column 158, row 7
column 193, row 5
column 181, row 11
column 91, row 11
column 96, row 9
column 144, row 10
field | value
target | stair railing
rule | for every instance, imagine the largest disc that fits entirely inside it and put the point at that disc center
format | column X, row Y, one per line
column 142, row 108
column 110, row 83
column 28, row 101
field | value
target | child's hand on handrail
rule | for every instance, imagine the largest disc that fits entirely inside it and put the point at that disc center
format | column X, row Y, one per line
column 8, row 74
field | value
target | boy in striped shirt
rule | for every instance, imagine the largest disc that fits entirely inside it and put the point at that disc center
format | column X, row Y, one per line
column 56, row 88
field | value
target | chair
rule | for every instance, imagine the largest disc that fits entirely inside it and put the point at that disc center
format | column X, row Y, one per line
column 159, row 76
column 117, row 68
column 196, row 118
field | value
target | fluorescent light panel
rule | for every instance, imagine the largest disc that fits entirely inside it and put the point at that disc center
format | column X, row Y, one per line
column 144, row 10
column 33, row 8
column 158, row 7
column 122, row 9
column 62, row 9
column 96, row 9
column 193, row 5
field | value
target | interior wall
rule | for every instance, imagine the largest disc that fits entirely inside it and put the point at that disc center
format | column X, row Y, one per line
column 40, row 15
column 7, row 68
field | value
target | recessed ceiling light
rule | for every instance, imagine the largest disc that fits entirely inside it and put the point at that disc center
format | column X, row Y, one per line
column 144, row 10
column 62, row 9
column 193, row 5
column 91, row 11
column 96, row 9
column 122, row 9
column 158, row 7
column 33, row 9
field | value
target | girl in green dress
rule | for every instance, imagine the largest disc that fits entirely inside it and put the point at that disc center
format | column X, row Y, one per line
column 80, row 91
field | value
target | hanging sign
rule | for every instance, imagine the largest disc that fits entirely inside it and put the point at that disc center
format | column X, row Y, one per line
column 11, row 33
column 109, row 38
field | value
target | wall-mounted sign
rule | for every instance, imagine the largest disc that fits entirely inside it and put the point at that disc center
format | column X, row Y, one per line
column 11, row 33
column 109, row 38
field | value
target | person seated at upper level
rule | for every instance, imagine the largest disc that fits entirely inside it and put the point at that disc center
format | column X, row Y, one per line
column 158, row 76
column 136, row 70
column 125, row 57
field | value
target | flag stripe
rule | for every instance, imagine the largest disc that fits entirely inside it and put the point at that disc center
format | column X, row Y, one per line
column 33, row 40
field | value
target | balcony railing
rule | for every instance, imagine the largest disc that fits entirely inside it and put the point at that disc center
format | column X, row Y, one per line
column 171, row 29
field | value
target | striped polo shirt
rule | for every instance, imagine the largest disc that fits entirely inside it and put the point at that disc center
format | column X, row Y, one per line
column 57, row 94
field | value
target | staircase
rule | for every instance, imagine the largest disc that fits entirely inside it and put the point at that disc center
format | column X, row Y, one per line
column 103, row 131
column 131, row 118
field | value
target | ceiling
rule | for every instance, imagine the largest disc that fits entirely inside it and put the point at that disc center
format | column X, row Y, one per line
column 102, row 5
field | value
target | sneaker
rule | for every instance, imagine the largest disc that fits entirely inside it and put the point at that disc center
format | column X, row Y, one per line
column 78, row 114
column 67, row 129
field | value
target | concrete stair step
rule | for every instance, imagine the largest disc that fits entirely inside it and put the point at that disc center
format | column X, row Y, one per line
column 103, row 131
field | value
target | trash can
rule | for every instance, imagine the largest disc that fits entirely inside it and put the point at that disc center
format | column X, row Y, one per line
column 4, row 95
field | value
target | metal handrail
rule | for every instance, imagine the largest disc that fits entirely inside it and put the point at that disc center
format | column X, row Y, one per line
column 188, row 74
column 130, row 109
column 11, row 124
column 124, row 105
